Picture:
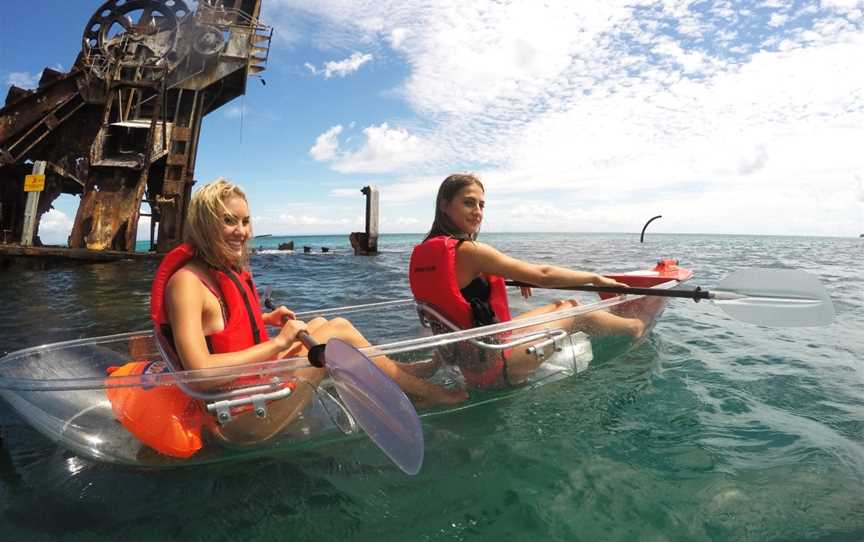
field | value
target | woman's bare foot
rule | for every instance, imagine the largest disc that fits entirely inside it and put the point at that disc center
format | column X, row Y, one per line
column 422, row 369
column 441, row 397
column 427, row 392
column 637, row 328
column 649, row 308
column 652, row 306
column 453, row 397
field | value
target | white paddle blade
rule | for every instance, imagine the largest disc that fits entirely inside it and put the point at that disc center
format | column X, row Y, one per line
column 378, row 404
column 775, row 297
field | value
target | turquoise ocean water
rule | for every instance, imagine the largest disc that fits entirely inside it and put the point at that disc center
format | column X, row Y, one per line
column 712, row 429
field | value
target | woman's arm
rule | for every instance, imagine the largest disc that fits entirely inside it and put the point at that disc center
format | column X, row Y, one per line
column 473, row 258
column 186, row 297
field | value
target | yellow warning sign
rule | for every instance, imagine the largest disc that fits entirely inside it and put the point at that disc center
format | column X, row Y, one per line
column 34, row 183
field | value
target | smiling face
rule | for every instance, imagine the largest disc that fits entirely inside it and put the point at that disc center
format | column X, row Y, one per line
column 237, row 227
column 465, row 209
column 218, row 225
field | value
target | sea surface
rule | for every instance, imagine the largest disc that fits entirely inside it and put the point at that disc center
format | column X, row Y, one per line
column 712, row 429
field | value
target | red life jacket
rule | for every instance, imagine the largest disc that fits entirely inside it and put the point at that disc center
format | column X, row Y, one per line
column 164, row 417
column 244, row 326
column 432, row 275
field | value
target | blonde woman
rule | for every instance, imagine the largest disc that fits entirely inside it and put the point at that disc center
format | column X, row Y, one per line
column 205, row 300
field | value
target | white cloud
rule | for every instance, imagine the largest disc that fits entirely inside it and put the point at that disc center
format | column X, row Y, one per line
column 637, row 98
column 778, row 19
column 691, row 62
column 346, row 66
column 340, row 68
column 339, row 220
column 308, row 220
column 23, row 79
column 399, row 192
column 55, row 227
column 326, row 144
column 422, row 190
column 397, row 37
column 842, row 5
column 383, row 149
column 402, row 223
column 55, row 221
column 335, row 220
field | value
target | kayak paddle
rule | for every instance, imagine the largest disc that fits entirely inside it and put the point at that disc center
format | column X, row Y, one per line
column 767, row 297
column 380, row 407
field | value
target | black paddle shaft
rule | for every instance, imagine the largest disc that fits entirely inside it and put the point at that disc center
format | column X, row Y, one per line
column 316, row 351
column 695, row 294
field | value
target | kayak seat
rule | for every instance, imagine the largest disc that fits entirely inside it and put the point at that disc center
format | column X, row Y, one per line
column 245, row 392
column 482, row 359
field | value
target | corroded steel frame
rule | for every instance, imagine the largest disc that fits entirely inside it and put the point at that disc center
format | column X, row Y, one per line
column 122, row 127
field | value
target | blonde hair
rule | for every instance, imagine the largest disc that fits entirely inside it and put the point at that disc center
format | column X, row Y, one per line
column 207, row 216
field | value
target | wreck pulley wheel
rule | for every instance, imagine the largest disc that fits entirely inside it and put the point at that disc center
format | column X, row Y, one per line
column 208, row 41
column 145, row 21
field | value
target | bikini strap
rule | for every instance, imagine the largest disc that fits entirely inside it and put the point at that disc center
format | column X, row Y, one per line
column 214, row 291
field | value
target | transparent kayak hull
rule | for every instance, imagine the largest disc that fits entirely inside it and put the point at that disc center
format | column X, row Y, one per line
column 63, row 389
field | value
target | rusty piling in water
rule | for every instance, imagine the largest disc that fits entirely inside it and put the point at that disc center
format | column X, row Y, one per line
column 366, row 243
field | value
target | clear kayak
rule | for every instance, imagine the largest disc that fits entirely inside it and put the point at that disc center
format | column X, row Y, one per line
column 68, row 391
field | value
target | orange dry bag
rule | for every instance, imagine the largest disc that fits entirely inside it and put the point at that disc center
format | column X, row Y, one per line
column 162, row 417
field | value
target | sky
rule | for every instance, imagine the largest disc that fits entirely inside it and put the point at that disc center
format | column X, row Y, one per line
column 590, row 116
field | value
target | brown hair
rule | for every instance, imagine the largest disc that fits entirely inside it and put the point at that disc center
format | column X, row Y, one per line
column 207, row 215
column 452, row 185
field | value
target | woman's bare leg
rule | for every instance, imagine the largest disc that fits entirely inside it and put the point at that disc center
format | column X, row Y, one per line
column 427, row 392
column 247, row 428
column 597, row 322
column 521, row 364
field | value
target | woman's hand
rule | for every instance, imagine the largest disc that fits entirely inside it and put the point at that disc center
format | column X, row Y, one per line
column 606, row 281
column 526, row 291
column 278, row 316
column 288, row 333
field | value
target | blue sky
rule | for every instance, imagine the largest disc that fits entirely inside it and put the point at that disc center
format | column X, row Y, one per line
column 724, row 117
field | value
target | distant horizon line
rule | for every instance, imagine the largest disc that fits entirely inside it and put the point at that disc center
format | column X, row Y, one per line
column 290, row 236
column 648, row 234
